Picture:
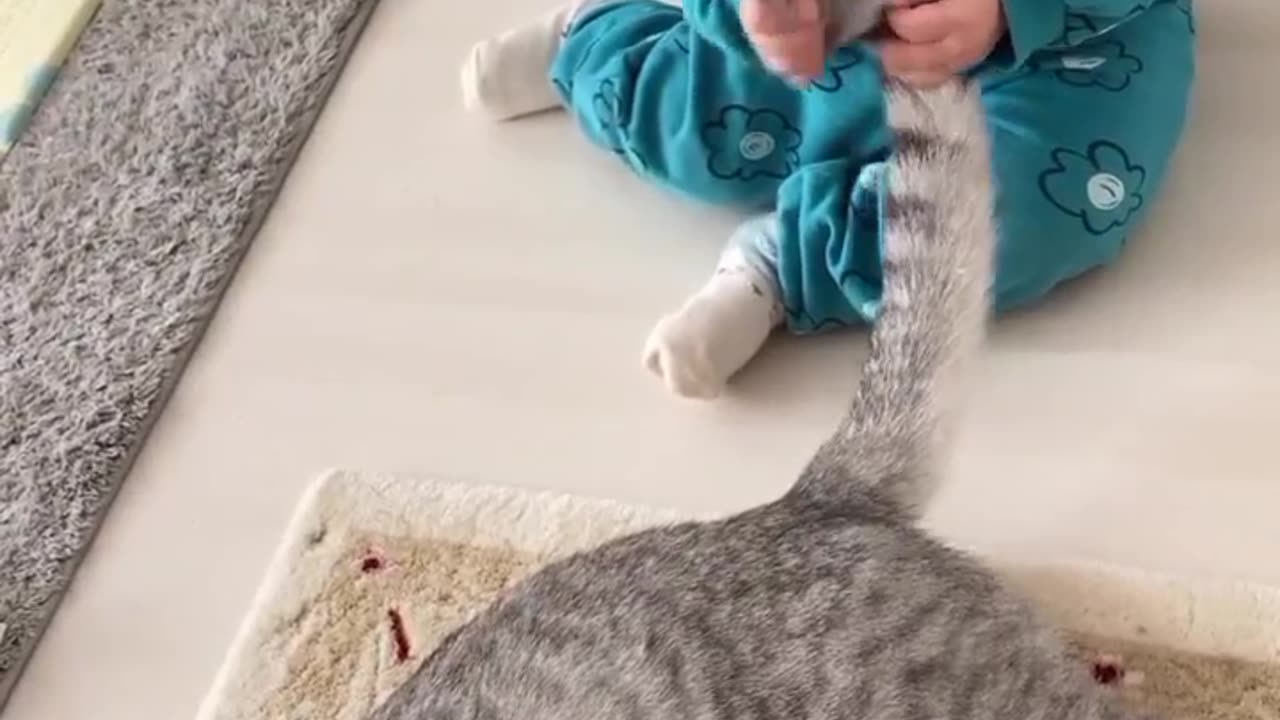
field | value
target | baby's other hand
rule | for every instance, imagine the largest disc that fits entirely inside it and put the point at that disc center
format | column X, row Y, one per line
column 789, row 35
column 934, row 41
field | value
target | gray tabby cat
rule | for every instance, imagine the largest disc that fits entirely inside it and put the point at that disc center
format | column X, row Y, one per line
column 828, row 603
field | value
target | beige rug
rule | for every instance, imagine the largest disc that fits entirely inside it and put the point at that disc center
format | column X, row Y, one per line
column 375, row 569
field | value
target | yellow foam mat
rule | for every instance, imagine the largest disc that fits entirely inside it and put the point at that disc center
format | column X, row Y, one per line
column 35, row 38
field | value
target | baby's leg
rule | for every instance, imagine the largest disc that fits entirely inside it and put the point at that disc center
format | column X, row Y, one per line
column 511, row 74
column 506, row 76
column 696, row 349
column 823, row 237
column 1081, row 141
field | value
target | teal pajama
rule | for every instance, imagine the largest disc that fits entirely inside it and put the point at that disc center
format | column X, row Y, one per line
column 1086, row 101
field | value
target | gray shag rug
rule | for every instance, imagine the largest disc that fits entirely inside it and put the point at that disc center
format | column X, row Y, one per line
column 124, row 211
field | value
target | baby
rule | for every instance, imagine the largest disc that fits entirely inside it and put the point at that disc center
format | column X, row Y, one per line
column 777, row 105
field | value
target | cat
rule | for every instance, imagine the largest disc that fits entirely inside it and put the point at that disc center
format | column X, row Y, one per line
column 828, row 603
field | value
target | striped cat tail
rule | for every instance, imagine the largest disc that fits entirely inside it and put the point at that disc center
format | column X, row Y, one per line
column 937, row 253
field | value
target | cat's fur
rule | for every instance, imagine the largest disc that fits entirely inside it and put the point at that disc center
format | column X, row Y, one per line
column 828, row 603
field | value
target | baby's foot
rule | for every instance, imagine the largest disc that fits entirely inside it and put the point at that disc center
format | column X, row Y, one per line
column 698, row 348
column 506, row 76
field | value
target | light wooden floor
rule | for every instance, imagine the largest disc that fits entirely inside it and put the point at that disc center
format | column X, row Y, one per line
column 436, row 295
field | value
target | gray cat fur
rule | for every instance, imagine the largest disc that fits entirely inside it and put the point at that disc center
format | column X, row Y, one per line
column 829, row 603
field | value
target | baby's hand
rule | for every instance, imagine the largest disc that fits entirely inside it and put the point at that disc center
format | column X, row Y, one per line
column 937, row 40
column 789, row 35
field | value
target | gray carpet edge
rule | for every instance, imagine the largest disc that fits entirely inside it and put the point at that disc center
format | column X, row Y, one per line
column 350, row 35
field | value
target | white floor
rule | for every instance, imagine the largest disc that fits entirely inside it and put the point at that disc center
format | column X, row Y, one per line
column 435, row 295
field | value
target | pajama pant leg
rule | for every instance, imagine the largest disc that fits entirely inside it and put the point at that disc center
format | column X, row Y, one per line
column 1081, row 142
column 691, row 112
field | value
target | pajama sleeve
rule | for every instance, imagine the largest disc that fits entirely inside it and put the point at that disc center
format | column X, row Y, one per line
column 1035, row 25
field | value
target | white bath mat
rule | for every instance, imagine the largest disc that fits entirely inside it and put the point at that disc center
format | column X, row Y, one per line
column 375, row 569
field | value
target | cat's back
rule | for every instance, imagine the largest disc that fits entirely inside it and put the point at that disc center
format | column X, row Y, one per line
column 778, row 612
column 780, row 558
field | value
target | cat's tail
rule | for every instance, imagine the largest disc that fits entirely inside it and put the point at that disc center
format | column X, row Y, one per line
column 937, row 253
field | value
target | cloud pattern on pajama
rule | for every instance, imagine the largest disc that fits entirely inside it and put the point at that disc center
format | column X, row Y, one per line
column 1100, row 185
column 745, row 143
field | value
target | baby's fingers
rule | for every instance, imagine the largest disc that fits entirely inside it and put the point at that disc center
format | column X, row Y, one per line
column 799, row 55
column 788, row 35
column 901, row 58
column 778, row 17
column 922, row 24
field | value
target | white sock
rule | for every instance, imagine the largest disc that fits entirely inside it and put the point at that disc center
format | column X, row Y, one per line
column 506, row 76
column 698, row 348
